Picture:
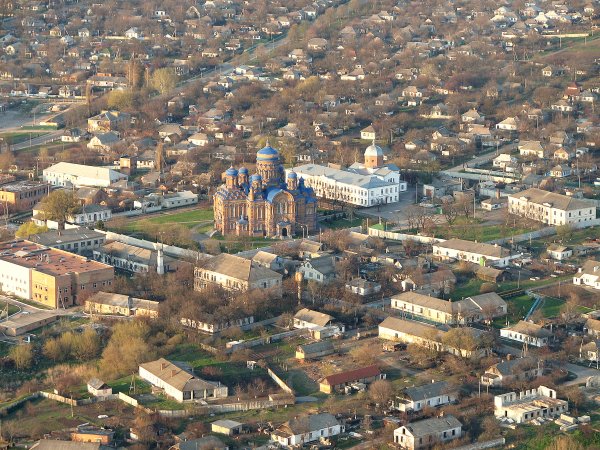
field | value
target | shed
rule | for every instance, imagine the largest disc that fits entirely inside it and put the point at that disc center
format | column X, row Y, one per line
column 227, row 427
column 98, row 388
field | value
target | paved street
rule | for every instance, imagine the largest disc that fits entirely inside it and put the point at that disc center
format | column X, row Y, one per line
column 394, row 212
column 40, row 140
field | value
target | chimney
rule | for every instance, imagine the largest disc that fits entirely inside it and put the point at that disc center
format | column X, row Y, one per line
column 163, row 366
column 173, row 372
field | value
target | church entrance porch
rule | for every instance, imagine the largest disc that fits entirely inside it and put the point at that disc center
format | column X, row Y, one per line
column 284, row 230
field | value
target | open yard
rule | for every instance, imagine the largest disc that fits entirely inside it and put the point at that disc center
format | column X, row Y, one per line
column 39, row 417
column 189, row 218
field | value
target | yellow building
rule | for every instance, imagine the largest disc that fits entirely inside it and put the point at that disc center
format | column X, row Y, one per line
column 50, row 276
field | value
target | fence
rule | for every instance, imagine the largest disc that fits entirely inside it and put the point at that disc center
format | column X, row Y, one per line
column 483, row 445
column 77, row 402
column 544, row 232
column 228, row 407
column 170, row 250
column 282, row 384
column 127, row 399
column 17, row 404
column 235, row 345
column 394, row 235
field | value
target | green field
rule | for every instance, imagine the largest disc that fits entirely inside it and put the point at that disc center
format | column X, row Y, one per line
column 201, row 218
column 342, row 223
column 479, row 232
column 20, row 136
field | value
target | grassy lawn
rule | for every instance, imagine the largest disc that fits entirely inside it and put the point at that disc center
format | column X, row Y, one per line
column 478, row 231
column 123, row 384
column 343, row 223
column 189, row 218
column 20, row 136
column 467, row 289
column 231, row 245
column 551, row 307
column 230, row 373
column 517, row 308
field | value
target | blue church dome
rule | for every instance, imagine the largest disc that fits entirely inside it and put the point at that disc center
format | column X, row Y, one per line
column 267, row 154
column 231, row 172
column 292, row 174
column 255, row 177
column 243, row 171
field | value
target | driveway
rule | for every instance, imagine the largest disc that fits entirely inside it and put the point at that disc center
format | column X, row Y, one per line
column 393, row 212
column 583, row 373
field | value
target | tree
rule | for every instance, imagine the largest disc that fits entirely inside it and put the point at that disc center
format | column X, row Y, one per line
column 53, row 350
column 365, row 354
column 87, row 346
column 59, row 206
column 29, row 228
column 126, row 349
column 22, row 355
column 163, row 80
column 120, row 100
column 381, row 392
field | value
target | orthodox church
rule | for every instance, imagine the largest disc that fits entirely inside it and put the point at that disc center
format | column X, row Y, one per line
column 266, row 203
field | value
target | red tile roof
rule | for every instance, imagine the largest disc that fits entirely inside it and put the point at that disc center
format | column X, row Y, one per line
column 352, row 375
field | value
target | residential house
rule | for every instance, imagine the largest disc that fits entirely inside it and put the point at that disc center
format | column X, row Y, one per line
column 179, row 383
column 119, row 304
column 592, row 327
column 559, row 252
column 306, row 318
column 588, row 274
column 529, row 405
column 321, row 269
column 550, row 207
column 528, row 333
column 424, row 434
column 363, row 287
column 511, row 370
column 108, row 121
column 504, row 161
column 533, row 148
column 471, row 309
column 508, row 124
column 236, row 274
column 428, row 336
column 439, row 282
column 560, row 171
column 307, row 428
column 475, row 252
column 590, row 352
column 104, row 142
column 368, row 133
column 206, row 442
column 269, row 260
column 416, row 398
column 339, row 381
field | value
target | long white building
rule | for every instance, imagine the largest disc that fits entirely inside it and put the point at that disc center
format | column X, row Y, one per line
column 362, row 184
column 77, row 175
column 550, row 207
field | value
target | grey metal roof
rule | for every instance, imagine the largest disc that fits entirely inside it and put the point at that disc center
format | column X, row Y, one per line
column 342, row 176
column 433, row 426
column 426, row 391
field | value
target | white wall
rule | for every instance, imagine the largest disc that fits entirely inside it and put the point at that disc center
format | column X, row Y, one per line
column 15, row 279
